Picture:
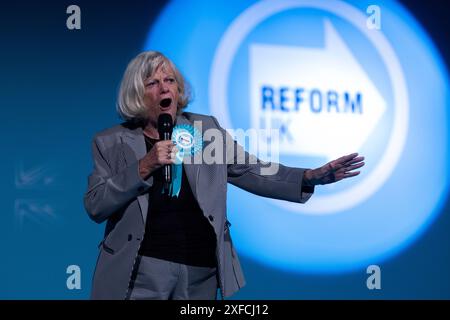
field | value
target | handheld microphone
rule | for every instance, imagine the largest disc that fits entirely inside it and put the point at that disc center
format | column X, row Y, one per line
column 165, row 128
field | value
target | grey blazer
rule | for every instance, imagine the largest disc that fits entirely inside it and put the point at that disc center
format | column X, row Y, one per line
column 117, row 194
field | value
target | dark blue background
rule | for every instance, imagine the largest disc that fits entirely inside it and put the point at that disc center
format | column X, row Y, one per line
column 58, row 88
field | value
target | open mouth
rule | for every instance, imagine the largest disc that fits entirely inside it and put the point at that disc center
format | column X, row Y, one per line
column 165, row 103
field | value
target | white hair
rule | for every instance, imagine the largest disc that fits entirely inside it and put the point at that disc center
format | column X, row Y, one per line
column 130, row 103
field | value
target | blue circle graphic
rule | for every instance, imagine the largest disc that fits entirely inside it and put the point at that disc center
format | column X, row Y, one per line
column 397, row 212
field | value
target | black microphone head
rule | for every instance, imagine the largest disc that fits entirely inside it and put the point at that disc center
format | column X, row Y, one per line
column 165, row 126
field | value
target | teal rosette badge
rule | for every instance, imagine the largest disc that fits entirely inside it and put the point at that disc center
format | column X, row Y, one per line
column 188, row 140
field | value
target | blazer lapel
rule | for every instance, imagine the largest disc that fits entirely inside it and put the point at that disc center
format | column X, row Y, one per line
column 192, row 170
column 134, row 140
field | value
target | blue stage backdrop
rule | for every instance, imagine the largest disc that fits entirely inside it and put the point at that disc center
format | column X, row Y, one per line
column 330, row 77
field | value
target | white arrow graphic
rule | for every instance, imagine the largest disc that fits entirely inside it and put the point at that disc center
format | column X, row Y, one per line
column 330, row 106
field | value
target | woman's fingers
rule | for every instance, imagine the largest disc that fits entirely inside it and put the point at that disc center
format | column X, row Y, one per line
column 355, row 160
column 354, row 166
column 351, row 174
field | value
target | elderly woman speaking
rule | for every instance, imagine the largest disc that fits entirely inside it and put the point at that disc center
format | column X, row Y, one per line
column 174, row 242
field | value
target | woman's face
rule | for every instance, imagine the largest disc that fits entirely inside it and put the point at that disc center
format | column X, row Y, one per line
column 161, row 94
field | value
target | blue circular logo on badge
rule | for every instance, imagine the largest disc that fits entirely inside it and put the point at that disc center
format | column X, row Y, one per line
column 330, row 85
column 188, row 140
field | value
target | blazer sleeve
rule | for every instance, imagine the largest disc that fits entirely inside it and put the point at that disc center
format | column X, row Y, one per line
column 107, row 192
column 267, row 179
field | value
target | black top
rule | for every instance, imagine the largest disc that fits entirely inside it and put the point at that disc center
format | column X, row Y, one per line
column 176, row 229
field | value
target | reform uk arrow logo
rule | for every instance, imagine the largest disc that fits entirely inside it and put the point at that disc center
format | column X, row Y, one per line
column 320, row 99
column 324, row 92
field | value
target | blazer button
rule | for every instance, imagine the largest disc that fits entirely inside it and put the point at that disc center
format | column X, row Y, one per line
column 130, row 236
column 211, row 218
